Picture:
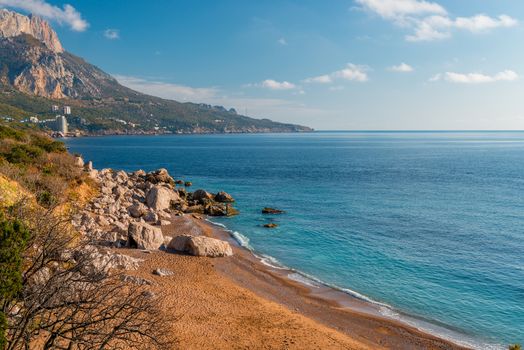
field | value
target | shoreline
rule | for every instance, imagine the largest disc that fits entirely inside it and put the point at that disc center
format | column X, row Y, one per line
column 343, row 297
column 357, row 319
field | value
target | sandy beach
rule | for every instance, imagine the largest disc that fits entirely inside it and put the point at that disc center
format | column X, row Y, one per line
column 239, row 303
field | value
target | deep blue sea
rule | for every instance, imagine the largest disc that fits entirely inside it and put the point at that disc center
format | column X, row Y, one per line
column 430, row 223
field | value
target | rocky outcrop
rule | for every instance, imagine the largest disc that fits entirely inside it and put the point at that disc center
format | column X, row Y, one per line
column 202, row 196
column 13, row 24
column 132, row 207
column 144, row 236
column 160, row 176
column 203, row 202
column 224, row 197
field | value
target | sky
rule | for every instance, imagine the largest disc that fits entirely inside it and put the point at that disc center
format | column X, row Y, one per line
column 331, row 65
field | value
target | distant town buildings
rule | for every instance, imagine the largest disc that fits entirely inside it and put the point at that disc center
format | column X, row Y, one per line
column 65, row 109
column 61, row 124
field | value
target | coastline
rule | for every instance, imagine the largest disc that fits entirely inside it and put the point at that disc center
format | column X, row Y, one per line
column 341, row 298
column 320, row 310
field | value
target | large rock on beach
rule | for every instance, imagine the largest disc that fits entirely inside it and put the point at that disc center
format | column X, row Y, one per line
column 144, row 236
column 206, row 246
column 201, row 246
column 159, row 197
column 179, row 243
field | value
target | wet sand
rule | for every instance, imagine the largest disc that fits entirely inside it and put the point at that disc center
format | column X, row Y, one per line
column 239, row 303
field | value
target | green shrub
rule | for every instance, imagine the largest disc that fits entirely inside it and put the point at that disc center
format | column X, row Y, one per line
column 47, row 144
column 45, row 198
column 13, row 240
column 3, row 330
column 23, row 154
column 7, row 132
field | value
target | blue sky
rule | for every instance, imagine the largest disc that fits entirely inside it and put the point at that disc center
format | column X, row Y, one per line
column 337, row 64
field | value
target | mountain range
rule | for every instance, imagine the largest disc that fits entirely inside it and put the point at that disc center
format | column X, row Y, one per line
column 37, row 73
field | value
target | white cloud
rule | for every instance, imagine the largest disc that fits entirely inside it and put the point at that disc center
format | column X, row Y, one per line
column 112, row 34
column 282, row 41
column 481, row 23
column 321, row 79
column 440, row 27
column 401, row 68
column 399, row 8
column 430, row 21
column 168, row 90
column 475, row 78
column 277, row 85
column 351, row 72
column 68, row 14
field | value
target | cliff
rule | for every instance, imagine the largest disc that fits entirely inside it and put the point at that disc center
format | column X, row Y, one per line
column 14, row 24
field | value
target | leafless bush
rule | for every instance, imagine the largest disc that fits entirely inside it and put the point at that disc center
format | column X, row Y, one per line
column 69, row 302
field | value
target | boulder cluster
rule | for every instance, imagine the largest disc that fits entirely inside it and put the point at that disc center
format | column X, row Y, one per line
column 131, row 209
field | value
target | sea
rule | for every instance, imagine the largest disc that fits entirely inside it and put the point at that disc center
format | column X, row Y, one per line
column 429, row 226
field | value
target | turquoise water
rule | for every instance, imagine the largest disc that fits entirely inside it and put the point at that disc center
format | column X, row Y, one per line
column 429, row 223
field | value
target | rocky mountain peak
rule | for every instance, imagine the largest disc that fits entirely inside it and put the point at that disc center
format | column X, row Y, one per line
column 13, row 24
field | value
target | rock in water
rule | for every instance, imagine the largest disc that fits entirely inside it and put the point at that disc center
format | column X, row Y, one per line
column 206, row 246
column 268, row 210
column 159, row 198
column 144, row 236
column 224, row 197
column 270, row 225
